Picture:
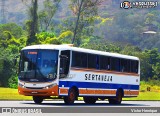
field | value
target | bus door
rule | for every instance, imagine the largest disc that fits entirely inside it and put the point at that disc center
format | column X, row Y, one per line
column 64, row 66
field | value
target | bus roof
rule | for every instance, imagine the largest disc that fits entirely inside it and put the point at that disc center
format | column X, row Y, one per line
column 69, row 47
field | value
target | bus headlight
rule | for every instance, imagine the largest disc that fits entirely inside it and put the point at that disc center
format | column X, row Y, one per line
column 49, row 86
column 21, row 85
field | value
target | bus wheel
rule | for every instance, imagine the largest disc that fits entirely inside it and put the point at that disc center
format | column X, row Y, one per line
column 116, row 100
column 119, row 97
column 71, row 96
column 37, row 99
column 89, row 100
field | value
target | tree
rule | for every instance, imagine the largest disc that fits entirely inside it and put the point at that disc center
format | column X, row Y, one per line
column 13, row 28
column 12, row 39
column 156, row 71
column 102, row 45
column 7, row 68
column 46, row 15
column 150, row 20
column 85, row 10
column 32, row 23
column 149, row 66
column 51, row 38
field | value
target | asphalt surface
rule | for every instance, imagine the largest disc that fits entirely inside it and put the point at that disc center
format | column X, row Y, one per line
column 56, row 103
column 80, row 107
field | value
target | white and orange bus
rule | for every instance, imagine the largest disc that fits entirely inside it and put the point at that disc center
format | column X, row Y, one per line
column 70, row 72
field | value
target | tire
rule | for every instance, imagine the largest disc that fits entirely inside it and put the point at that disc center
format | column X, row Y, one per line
column 37, row 99
column 89, row 100
column 71, row 97
column 118, row 98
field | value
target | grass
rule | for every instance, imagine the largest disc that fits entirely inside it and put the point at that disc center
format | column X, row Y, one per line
column 147, row 92
column 146, row 96
column 153, row 94
column 12, row 94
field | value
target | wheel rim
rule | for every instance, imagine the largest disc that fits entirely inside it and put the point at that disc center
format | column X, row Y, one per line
column 72, row 96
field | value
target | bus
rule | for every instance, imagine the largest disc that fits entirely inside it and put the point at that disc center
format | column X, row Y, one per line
column 69, row 72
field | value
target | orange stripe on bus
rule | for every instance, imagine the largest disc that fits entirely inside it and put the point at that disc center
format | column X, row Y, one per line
column 95, row 91
column 103, row 71
column 131, row 92
column 126, row 92
column 63, row 91
column 113, row 92
column 134, row 92
column 86, row 91
column 82, row 91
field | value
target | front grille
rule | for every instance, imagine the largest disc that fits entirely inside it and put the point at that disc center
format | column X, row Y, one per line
column 34, row 87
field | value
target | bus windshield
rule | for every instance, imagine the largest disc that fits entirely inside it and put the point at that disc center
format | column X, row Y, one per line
column 38, row 65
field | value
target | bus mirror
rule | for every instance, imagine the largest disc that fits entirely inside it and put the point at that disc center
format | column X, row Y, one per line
column 63, row 56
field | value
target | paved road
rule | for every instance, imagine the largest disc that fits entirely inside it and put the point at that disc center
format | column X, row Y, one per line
column 79, row 104
column 81, row 107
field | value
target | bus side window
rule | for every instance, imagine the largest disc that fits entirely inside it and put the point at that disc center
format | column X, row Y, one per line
column 123, row 65
column 134, row 66
column 115, row 64
column 137, row 63
column 92, row 63
column 83, row 60
column 104, row 62
column 108, row 63
column 97, row 62
column 64, row 63
column 79, row 59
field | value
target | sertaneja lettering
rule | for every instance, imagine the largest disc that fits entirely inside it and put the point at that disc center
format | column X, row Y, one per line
column 95, row 77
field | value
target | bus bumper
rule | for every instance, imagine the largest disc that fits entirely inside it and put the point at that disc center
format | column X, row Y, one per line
column 53, row 91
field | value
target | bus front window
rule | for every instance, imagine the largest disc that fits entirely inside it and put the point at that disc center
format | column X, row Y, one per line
column 47, row 64
column 39, row 65
column 28, row 64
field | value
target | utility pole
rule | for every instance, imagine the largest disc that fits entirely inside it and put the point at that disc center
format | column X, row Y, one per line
column 3, row 11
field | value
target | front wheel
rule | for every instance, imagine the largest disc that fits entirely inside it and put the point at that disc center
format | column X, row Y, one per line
column 71, row 96
column 37, row 99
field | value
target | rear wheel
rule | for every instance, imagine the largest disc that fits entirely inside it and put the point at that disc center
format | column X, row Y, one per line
column 89, row 100
column 118, row 98
column 37, row 99
column 71, row 96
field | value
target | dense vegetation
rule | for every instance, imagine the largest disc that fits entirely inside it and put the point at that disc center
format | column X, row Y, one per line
column 94, row 24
